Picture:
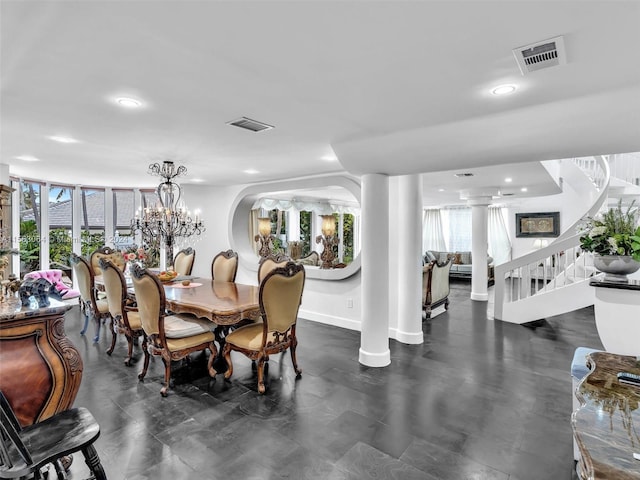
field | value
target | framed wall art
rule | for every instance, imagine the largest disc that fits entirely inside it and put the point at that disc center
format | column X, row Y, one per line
column 545, row 224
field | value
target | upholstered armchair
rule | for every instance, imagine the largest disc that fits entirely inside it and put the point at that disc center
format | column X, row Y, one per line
column 115, row 256
column 280, row 297
column 90, row 305
column 435, row 286
column 224, row 266
column 172, row 337
column 126, row 318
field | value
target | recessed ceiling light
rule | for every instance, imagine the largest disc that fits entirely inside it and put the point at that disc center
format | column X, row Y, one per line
column 27, row 158
column 128, row 102
column 441, row 189
column 503, row 89
column 523, row 189
column 197, row 180
column 508, row 180
column 62, row 139
column 251, row 171
column 330, row 158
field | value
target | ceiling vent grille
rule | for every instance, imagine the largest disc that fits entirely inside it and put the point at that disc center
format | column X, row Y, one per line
column 465, row 174
column 249, row 124
column 540, row 55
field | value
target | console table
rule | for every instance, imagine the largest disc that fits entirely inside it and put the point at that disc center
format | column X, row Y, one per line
column 617, row 313
column 40, row 369
column 607, row 424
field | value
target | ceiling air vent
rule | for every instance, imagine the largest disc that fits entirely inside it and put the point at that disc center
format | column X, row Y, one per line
column 249, row 124
column 539, row 55
column 465, row 174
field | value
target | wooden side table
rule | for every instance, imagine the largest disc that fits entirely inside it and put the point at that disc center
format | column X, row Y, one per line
column 40, row 369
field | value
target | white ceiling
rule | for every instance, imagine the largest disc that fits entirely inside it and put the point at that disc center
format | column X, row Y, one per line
column 390, row 87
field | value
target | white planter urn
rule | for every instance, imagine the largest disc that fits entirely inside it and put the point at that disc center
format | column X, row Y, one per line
column 616, row 267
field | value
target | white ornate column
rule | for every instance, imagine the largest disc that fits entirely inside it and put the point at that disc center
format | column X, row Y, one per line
column 408, row 259
column 374, row 338
column 479, row 247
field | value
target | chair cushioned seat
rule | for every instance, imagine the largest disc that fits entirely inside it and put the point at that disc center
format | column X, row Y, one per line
column 174, row 344
column 579, row 367
column 134, row 320
column 103, row 306
column 249, row 336
column 181, row 326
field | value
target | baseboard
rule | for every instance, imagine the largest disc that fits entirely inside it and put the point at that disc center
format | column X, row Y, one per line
column 330, row 320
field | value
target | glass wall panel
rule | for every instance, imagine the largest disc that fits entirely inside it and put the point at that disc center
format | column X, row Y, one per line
column 30, row 227
column 123, row 214
column 60, row 225
column 93, row 235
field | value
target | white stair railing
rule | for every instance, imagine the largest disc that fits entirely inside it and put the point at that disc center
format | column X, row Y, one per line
column 557, row 266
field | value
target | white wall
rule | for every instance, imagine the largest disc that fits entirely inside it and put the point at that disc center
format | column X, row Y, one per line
column 335, row 302
column 577, row 197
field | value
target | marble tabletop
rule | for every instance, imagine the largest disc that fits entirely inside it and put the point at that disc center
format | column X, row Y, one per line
column 12, row 309
column 607, row 424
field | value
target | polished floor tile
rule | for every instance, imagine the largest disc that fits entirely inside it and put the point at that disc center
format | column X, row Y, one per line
column 479, row 400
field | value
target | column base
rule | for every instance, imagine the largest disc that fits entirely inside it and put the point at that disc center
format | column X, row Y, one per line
column 409, row 337
column 481, row 297
column 375, row 359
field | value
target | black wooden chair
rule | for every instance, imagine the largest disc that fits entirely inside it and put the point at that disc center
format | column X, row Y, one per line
column 64, row 433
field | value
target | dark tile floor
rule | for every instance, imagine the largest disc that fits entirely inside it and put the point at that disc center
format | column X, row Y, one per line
column 480, row 399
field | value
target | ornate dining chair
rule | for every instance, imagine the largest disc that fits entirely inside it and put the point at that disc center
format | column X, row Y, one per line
column 183, row 263
column 25, row 451
column 224, row 266
column 115, row 256
column 280, row 297
column 126, row 318
column 270, row 262
column 172, row 337
column 90, row 305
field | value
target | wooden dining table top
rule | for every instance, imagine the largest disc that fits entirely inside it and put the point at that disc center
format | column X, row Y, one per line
column 224, row 303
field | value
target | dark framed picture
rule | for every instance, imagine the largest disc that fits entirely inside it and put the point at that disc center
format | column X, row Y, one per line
column 545, row 224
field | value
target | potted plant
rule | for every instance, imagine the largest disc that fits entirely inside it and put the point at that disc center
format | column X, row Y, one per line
column 614, row 238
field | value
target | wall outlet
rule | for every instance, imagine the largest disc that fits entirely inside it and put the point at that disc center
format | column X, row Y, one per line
column 349, row 302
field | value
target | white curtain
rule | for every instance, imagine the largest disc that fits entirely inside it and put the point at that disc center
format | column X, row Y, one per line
column 457, row 229
column 499, row 243
column 432, row 235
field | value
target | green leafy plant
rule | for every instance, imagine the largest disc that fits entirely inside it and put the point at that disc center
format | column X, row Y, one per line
column 616, row 232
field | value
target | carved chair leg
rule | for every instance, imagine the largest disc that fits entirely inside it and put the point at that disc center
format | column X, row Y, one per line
column 294, row 359
column 92, row 460
column 446, row 304
column 147, row 356
column 129, row 337
column 83, row 310
column 114, row 336
column 261, row 388
column 226, row 352
column 96, row 318
column 167, row 376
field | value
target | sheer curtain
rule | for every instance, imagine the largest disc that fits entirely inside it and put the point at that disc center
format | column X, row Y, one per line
column 457, row 228
column 432, row 235
column 499, row 243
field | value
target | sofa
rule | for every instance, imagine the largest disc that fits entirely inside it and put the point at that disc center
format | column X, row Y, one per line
column 461, row 263
column 54, row 277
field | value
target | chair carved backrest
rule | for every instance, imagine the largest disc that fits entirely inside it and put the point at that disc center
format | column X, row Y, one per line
column 115, row 287
column 435, row 285
column 224, row 266
column 280, row 297
column 150, row 299
column 183, row 263
column 115, row 256
column 267, row 264
column 83, row 274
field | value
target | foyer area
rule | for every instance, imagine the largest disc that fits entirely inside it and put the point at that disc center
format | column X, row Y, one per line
column 480, row 399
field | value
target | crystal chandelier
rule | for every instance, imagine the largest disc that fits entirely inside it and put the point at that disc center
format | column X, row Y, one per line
column 170, row 219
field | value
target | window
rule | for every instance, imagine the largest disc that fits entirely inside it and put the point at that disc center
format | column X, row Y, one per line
column 60, row 225
column 123, row 212
column 30, row 226
column 92, row 233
